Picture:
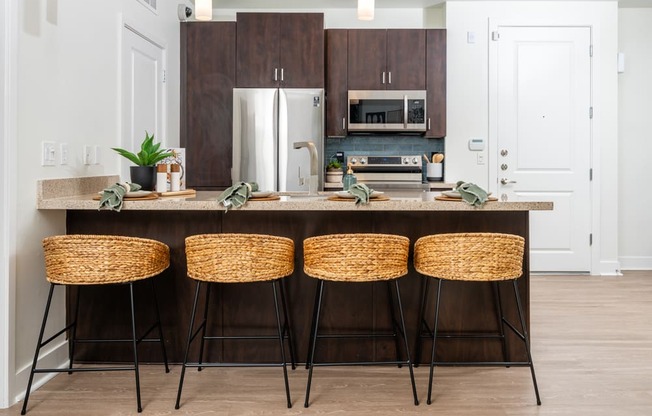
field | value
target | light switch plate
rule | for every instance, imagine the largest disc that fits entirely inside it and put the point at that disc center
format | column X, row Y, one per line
column 63, row 153
column 48, row 153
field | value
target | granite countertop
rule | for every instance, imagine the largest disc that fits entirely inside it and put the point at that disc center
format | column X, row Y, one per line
column 78, row 193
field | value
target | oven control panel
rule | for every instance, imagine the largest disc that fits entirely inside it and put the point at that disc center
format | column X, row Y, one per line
column 386, row 161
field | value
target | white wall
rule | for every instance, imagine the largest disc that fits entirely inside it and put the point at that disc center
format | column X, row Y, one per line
column 69, row 91
column 468, row 94
column 635, row 138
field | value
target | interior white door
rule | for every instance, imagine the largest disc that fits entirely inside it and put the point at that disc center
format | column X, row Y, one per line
column 544, row 138
column 143, row 92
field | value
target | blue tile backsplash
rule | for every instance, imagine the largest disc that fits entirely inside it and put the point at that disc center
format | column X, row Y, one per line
column 377, row 145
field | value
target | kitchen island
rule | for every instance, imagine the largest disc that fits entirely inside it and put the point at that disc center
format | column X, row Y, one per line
column 242, row 309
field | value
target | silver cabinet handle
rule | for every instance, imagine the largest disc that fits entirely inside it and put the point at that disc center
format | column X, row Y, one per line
column 505, row 181
column 428, row 123
column 275, row 74
column 390, row 77
column 344, row 123
column 282, row 76
column 383, row 77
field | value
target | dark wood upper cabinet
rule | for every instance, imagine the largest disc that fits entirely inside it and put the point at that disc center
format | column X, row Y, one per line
column 336, row 82
column 387, row 59
column 406, row 59
column 436, row 82
column 207, row 81
column 367, row 59
column 280, row 50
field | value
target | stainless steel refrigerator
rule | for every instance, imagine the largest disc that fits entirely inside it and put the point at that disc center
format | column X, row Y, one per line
column 266, row 124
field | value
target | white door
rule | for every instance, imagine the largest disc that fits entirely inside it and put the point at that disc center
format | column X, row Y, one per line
column 143, row 92
column 543, row 127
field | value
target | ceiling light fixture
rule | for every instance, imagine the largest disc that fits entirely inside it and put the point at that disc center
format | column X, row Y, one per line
column 365, row 9
column 204, row 9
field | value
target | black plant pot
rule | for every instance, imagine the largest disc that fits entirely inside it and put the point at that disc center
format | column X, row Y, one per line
column 145, row 176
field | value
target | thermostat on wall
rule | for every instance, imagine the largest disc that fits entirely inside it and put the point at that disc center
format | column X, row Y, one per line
column 476, row 144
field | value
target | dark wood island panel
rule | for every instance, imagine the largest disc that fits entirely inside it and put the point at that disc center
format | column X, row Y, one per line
column 246, row 308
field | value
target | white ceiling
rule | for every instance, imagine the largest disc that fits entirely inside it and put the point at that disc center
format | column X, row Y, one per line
column 344, row 4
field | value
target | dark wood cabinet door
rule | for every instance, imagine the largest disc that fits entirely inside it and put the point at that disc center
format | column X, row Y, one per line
column 301, row 50
column 207, row 81
column 406, row 59
column 367, row 59
column 336, row 82
column 436, row 82
column 258, row 59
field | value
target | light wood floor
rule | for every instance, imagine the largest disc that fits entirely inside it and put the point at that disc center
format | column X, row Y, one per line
column 592, row 348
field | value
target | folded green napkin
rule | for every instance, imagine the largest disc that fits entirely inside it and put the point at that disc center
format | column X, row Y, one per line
column 471, row 193
column 112, row 196
column 237, row 195
column 361, row 192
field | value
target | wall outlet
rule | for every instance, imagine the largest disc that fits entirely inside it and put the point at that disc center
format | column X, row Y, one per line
column 88, row 155
column 63, row 153
column 96, row 149
column 48, row 154
column 480, row 159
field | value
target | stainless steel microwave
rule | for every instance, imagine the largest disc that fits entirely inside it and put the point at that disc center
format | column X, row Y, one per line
column 387, row 111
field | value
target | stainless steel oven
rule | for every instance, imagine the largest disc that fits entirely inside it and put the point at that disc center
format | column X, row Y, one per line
column 387, row 111
column 388, row 172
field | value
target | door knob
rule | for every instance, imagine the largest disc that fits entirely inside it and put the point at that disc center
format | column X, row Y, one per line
column 505, row 181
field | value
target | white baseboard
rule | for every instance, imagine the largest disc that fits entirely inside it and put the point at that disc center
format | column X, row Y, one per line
column 636, row 262
column 55, row 357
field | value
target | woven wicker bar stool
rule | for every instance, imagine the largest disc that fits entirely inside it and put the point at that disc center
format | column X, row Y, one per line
column 239, row 258
column 357, row 258
column 82, row 260
column 473, row 257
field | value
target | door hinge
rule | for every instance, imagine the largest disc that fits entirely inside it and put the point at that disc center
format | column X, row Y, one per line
column 164, row 75
column 591, row 239
column 495, row 35
column 591, row 112
column 591, row 50
column 590, row 174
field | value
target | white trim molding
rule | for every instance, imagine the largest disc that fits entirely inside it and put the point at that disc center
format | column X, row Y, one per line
column 8, row 154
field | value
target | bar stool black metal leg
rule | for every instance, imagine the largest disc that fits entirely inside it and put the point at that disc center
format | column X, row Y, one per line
column 281, row 343
column 434, row 341
column 160, row 326
column 288, row 325
column 407, row 348
column 73, row 333
column 135, row 346
column 38, row 349
column 526, row 339
column 425, row 286
column 397, row 344
column 313, row 341
column 501, row 319
column 203, row 332
column 312, row 326
column 185, row 355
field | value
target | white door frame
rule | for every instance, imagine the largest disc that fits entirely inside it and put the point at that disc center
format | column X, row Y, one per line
column 492, row 148
column 131, row 26
column 8, row 145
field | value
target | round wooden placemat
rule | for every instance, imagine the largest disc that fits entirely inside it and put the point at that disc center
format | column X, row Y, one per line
column 132, row 198
column 267, row 198
column 337, row 198
column 447, row 198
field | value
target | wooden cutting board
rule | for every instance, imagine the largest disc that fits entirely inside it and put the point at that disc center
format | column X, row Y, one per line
column 266, row 198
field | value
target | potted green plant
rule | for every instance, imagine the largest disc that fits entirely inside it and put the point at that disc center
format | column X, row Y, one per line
column 144, row 173
column 334, row 171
